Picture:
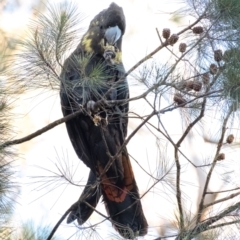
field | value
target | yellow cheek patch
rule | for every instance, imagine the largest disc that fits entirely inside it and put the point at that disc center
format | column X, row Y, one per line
column 86, row 43
column 118, row 58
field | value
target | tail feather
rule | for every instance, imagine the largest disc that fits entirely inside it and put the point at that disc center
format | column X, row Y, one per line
column 127, row 216
column 125, row 208
column 122, row 202
column 91, row 194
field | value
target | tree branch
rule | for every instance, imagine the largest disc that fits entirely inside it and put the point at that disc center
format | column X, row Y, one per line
column 201, row 227
column 222, row 200
column 41, row 131
column 201, row 204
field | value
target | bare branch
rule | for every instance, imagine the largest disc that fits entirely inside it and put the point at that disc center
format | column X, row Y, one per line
column 220, row 142
column 42, row 130
column 222, row 200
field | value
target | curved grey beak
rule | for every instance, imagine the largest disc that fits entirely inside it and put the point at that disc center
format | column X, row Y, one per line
column 112, row 34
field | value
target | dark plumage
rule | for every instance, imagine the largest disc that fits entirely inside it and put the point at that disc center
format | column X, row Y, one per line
column 88, row 74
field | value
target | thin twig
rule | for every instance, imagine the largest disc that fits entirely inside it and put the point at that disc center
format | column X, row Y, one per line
column 58, row 223
column 229, row 190
column 73, row 207
column 201, row 204
column 222, row 225
column 110, row 162
column 41, row 131
column 201, row 227
column 222, row 199
column 159, row 36
column 178, row 165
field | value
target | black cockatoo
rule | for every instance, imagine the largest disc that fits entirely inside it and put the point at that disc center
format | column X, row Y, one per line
column 89, row 76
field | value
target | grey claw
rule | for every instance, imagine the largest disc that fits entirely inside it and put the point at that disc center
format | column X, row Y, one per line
column 109, row 55
column 92, row 107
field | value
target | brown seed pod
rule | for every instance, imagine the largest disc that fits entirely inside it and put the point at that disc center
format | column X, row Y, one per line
column 189, row 85
column 213, row 68
column 230, row 139
column 221, row 157
column 197, row 30
column 197, row 85
column 205, row 78
column 218, row 55
column 182, row 47
column 166, row 33
column 173, row 39
column 179, row 99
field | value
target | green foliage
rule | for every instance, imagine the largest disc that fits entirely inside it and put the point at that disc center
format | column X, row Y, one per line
column 7, row 45
column 229, row 10
column 231, row 74
column 8, row 186
column 28, row 231
column 43, row 52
